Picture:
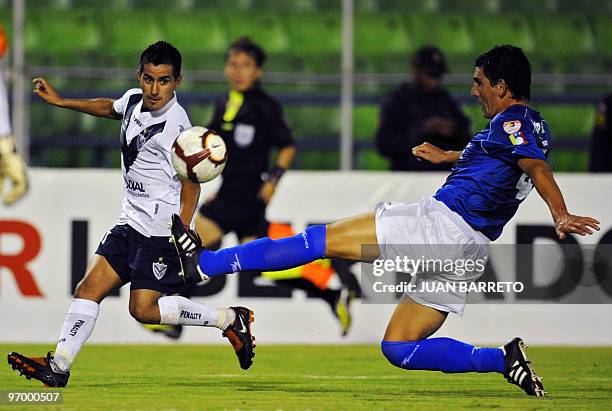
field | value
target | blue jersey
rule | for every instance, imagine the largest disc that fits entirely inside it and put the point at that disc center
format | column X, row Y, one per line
column 486, row 185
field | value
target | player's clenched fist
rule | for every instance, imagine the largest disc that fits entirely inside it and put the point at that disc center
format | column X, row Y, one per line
column 433, row 154
column 44, row 90
column 12, row 167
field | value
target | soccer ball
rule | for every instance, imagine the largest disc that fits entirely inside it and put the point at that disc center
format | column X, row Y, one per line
column 198, row 155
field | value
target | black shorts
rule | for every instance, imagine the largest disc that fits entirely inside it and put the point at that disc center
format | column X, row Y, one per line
column 149, row 263
column 245, row 218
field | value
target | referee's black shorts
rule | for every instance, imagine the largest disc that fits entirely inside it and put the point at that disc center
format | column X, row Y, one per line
column 245, row 218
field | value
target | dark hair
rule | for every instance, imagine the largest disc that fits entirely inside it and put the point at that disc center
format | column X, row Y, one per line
column 162, row 52
column 431, row 60
column 246, row 45
column 508, row 63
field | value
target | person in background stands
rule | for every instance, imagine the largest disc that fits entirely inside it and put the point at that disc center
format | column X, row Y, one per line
column 601, row 139
column 421, row 111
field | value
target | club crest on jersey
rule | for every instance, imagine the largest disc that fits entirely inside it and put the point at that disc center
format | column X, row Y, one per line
column 159, row 268
column 244, row 135
column 512, row 126
column 518, row 138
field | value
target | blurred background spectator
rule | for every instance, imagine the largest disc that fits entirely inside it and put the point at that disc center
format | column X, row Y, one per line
column 569, row 44
column 601, row 139
column 421, row 111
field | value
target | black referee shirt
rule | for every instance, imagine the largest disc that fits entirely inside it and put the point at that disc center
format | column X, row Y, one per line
column 250, row 135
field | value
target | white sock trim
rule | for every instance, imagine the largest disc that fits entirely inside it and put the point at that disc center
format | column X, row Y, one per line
column 85, row 307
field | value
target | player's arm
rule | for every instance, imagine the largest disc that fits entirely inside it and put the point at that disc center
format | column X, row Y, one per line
column 285, row 157
column 283, row 162
column 190, row 194
column 280, row 136
column 543, row 180
column 100, row 107
column 435, row 155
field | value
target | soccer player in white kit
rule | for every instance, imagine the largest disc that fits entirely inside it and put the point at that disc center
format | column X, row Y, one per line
column 137, row 250
column 12, row 165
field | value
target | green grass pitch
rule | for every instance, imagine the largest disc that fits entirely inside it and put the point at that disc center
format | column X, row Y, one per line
column 313, row 377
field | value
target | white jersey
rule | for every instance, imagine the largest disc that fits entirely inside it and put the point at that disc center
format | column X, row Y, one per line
column 151, row 186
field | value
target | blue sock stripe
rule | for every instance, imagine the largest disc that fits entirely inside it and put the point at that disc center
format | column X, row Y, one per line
column 443, row 354
column 265, row 254
column 316, row 235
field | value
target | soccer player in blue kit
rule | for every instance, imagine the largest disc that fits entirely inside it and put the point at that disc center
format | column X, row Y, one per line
column 492, row 176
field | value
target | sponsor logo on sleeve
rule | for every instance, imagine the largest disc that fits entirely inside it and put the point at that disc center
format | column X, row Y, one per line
column 518, row 138
column 512, row 126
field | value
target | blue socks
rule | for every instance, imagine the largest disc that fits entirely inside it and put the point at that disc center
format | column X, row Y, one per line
column 267, row 255
column 435, row 354
column 443, row 354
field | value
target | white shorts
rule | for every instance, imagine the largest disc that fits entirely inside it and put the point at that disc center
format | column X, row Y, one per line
column 431, row 232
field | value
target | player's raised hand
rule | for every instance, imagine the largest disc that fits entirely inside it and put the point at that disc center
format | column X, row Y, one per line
column 570, row 223
column 45, row 91
column 433, row 154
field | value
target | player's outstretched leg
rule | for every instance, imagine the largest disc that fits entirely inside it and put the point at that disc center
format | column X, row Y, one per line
column 339, row 301
column 241, row 336
column 40, row 368
column 518, row 369
column 452, row 356
column 234, row 322
column 264, row 254
column 406, row 345
column 342, row 309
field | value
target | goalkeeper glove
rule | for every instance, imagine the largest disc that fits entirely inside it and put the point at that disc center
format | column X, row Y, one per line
column 12, row 167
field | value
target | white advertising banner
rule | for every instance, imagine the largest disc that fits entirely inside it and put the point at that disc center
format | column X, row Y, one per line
column 47, row 238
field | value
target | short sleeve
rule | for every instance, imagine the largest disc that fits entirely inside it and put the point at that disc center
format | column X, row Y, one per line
column 277, row 127
column 174, row 129
column 120, row 104
column 519, row 136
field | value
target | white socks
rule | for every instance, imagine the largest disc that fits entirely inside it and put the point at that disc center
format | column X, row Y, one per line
column 177, row 310
column 78, row 325
column 82, row 314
